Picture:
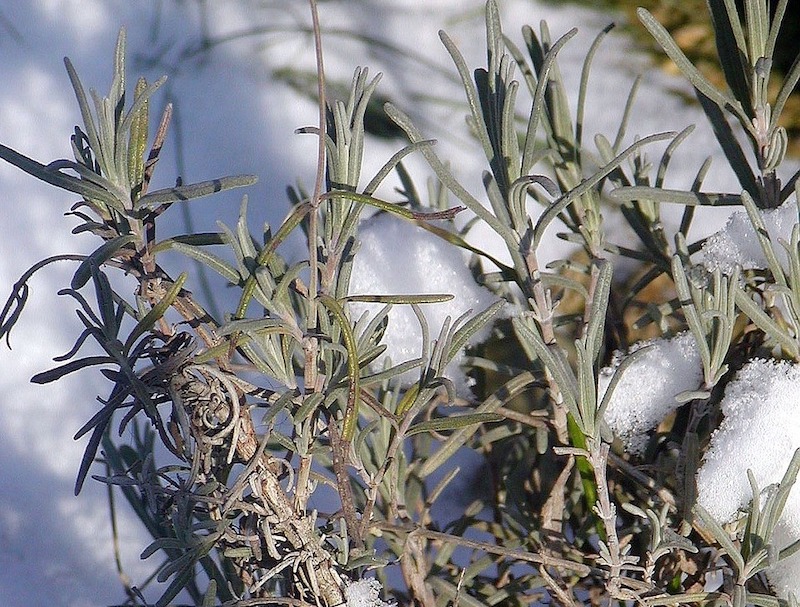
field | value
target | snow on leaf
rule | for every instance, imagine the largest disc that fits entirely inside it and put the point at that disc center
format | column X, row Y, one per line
column 736, row 243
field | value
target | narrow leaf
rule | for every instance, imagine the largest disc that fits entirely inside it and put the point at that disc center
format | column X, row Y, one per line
column 453, row 422
column 721, row 536
column 102, row 254
column 75, row 365
column 473, row 325
column 426, row 298
column 665, row 195
column 597, row 316
column 351, row 411
column 61, row 180
column 193, row 191
column 684, row 65
column 223, row 268
column 587, row 184
column 765, row 323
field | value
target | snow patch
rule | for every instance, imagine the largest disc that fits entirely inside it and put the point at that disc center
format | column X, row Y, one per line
column 397, row 257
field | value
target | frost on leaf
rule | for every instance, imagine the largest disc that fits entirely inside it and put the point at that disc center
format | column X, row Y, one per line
column 736, row 243
column 760, row 432
column 645, row 394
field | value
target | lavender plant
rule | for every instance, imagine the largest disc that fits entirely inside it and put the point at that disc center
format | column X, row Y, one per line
column 235, row 422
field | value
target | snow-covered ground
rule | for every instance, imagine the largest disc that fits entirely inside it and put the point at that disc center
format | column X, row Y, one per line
column 233, row 116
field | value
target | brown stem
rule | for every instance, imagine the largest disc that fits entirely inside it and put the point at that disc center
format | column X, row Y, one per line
column 511, row 553
column 298, row 528
column 414, row 565
column 312, row 344
column 341, row 451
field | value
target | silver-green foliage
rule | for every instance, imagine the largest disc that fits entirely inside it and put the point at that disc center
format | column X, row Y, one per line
column 277, row 400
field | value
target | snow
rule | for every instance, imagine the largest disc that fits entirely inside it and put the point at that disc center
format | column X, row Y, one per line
column 760, row 432
column 646, row 392
column 411, row 260
column 365, row 593
column 233, row 116
column 737, row 243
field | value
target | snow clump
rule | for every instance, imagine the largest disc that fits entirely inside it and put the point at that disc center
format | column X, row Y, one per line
column 760, row 432
column 645, row 394
column 365, row 593
column 737, row 244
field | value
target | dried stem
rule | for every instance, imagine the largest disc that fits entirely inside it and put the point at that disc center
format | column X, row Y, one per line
column 311, row 344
